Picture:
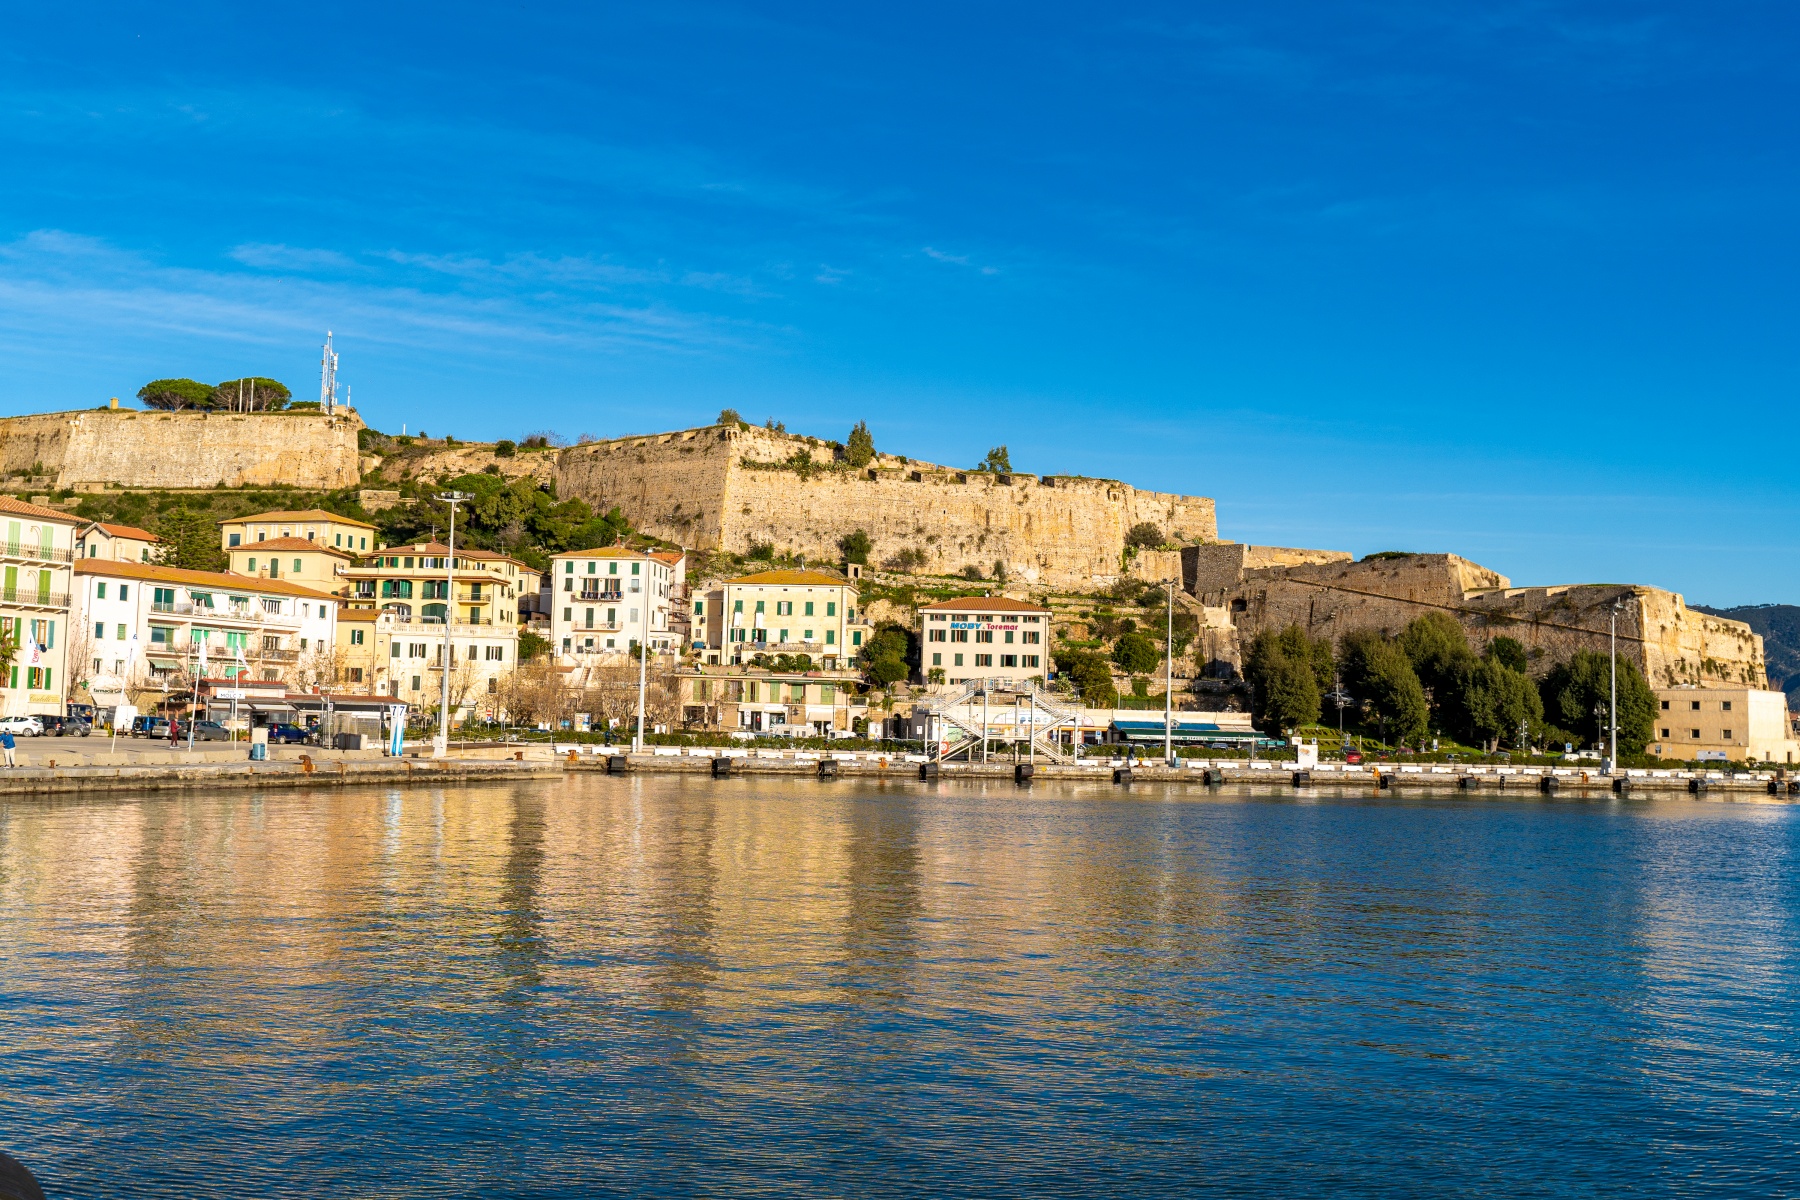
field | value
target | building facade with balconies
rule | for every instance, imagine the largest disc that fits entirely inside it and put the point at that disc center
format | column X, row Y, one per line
column 384, row 654
column 606, row 600
column 416, row 581
column 983, row 637
column 309, row 524
column 310, row 564
column 143, row 626
column 791, row 612
column 121, row 543
column 36, row 556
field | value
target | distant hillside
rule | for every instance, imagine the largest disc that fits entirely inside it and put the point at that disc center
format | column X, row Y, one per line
column 1779, row 625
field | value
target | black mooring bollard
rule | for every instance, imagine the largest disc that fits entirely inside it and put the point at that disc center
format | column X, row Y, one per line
column 17, row 1183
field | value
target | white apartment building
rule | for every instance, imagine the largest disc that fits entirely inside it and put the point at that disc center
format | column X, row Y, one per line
column 983, row 637
column 35, row 555
column 142, row 626
column 385, row 654
column 787, row 611
column 608, row 599
column 121, row 543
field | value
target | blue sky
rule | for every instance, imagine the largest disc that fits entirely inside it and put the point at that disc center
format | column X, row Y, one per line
column 1513, row 280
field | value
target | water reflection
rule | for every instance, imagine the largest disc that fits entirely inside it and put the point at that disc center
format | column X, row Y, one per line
column 681, row 986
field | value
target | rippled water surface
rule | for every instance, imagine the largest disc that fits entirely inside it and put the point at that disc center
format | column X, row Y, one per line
column 673, row 986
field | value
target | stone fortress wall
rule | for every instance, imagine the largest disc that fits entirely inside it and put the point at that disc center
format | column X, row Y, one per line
column 726, row 488
column 1671, row 643
column 132, row 448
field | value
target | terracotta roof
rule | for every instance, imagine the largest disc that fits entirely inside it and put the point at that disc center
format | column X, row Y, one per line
column 668, row 556
column 293, row 543
column 815, row 578
column 358, row 614
column 213, row 580
column 22, row 509
column 125, row 531
column 438, row 549
column 301, row 514
column 604, row 552
column 982, row 604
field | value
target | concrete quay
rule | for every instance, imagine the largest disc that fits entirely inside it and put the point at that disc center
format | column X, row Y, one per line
column 1327, row 777
column 67, row 767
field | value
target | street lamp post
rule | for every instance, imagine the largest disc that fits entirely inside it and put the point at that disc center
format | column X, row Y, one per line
column 1169, row 681
column 440, row 745
column 1612, row 707
column 637, row 739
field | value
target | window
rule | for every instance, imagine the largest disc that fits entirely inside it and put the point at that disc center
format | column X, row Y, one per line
column 124, row 591
column 783, row 636
column 409, row 560
column 100, row 591
column 806, row 635
column 937, row 660
column 699, row 608
column 568, row 568
column 250, row 564
column 356, row 637
column 1696, row 735
column 1009, row 660
column 611, row 568
column 1696, row 705
column 1665, row 732
column 568, row 614
column 237, row 539
column 937, row 635
column 856, row 637
column 959, row 635
column 1031, row 637
column 356, row 674
column 759, row 606
column 493, row 685
column 831, row 637
column 362, row 543
column 634, row 568
column 1665, row 707
column 163, row 599
column 809, row 611
column 984, row 635
column 296, row 566
column 271, row 606
column 1725, row 735
column 957, row 660
column 159, row 635
column 415, row 683
column 1725, row 706
column 100, row 629
column 827, row 693
column 737, row 606
column 120, row 631
column 1009, row 637
column 831, row 609
column 1030, row 660
column 784, row 608
column 984, row 660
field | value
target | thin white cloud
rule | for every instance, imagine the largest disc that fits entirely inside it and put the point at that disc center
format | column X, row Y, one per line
column 958, row 260
column 291, row 258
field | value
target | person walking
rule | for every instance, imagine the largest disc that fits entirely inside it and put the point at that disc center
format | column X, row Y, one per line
column 6, row 744
column 174, row 731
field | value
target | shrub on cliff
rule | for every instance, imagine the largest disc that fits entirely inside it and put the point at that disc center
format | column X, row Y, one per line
column 859, row 449
column 505, row 448
column 997, row 461
column 172, row 395
column 1144, row 536
column 1136, row 653
column 855, row 546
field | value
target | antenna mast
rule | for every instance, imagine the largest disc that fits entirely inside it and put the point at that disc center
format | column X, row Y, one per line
column 328, row 377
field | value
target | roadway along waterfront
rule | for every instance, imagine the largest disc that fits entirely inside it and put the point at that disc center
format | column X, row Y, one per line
column 669, row 984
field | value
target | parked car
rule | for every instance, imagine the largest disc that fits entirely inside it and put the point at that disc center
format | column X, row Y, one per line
column 66, row 726
column 209, row 731
column 290, row 734
column 150, row 727
column 22, row 726
column 1353, row 757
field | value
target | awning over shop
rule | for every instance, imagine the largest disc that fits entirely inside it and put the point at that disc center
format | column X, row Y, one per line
column 164, row 664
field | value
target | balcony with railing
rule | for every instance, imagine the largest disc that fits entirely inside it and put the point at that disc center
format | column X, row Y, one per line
column 245, row 614
column 33, row 598
column 26, row 552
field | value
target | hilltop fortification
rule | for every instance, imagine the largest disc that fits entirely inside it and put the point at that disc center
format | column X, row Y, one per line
column 95, row 447
column 731, row 488
column 1671, row 643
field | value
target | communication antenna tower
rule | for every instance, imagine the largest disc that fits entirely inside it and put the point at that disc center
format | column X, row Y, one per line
column 328, row 377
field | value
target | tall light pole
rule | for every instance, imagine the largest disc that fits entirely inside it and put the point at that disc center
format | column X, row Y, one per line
column 637, row 739
column 1169, row 681
column 1612, row 708
column 440, row 745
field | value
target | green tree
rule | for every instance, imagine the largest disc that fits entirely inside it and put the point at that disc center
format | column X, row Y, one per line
column 190, row 540
column 505, row 448
column 1136, row 654
column 998, row 461
column 1091, row 676
column 1508, row 652
column 859, row 448
column 1378, row 672
column 1287, row 672
column 729, row 417
column 1145, row 535
column 855, row 546
column 1497, row 701
column 890, row 653
column 1573, row 691
column 172, row 395
column 531, row 645
column 1439, row 652
column 252, row 393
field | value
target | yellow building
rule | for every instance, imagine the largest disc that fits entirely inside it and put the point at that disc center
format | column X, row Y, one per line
column 118, row 543
column 415, row 581
column 382, row 654
column 1736, row 724
column 310, row 563
column 803, row 611
column 36, row 552
column 311, row 524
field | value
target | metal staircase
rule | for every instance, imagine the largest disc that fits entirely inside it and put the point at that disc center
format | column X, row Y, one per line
column 1048, row 719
